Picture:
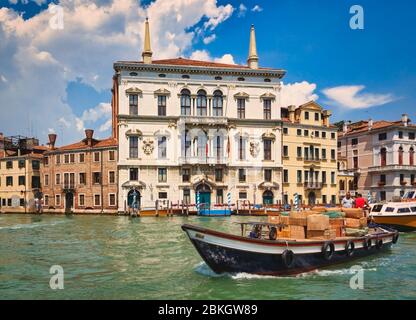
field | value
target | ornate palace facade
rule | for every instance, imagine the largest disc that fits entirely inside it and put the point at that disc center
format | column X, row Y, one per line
column 186, row 127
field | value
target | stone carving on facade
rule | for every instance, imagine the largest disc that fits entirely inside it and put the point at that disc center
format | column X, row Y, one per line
column 254, row 148
column 148, row 146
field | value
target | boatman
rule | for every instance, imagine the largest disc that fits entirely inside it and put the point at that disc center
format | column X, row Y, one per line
column 360, row 202
column 347, row 202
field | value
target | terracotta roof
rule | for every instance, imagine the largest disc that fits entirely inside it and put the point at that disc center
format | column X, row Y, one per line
column 362, row 126
column 110, row 142
column 194, row 63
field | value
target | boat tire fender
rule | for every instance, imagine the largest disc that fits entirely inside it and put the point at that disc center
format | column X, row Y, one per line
column 395, row 238
column 367, row 243
column 288, row 258
column 328, row 250
column 349, row 248
column 273, row 233
column 379, row 243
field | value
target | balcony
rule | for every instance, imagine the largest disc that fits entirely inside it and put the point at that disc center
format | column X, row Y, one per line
column 202, row 160
column 313, row 185
column 343, row 193
column 202, row 120
column 391, row 167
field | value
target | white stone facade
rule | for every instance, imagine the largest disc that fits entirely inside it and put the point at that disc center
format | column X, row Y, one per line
column 216, row 139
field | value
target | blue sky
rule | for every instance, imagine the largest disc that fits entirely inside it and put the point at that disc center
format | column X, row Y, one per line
column 356, row 73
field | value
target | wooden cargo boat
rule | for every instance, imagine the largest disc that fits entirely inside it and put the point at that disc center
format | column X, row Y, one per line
column 264, row 254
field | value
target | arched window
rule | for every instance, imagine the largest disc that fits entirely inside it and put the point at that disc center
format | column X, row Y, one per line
column 217, row 104
column 383, row 157
column 201, row 103
column 411, row 156
column 185, row 102
column 400, row 156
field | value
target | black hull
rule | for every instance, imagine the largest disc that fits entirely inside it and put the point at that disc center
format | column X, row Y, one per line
column 221, row 259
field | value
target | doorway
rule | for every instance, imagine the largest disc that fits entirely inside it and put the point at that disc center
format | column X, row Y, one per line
column 133, row 199
column 312, row 198
column 69, row 201
column 268, row 197
column 204, row 192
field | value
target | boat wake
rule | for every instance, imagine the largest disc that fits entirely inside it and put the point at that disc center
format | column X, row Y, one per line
column 30, row 226
column 203, row 269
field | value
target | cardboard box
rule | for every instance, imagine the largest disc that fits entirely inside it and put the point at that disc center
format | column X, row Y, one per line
column 319, row 209
column 274, row 219
column 284, row 220
column 338, row 231
column 297, row 219
column 317, row 222
column 352, row 223
column 297, row 232
column 283, row 233
column 353, row 213
column 318, row 234
column 337, row 222
column 363, row 222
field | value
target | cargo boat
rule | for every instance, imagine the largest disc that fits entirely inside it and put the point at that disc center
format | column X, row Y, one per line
column 229, row 253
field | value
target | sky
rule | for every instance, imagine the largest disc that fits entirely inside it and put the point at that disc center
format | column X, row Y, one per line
column 56, row 57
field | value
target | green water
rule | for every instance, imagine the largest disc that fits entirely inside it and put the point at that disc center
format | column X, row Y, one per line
column 151, row 258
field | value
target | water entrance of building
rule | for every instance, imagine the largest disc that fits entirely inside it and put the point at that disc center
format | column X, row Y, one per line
column 204, row 195
column 133, row 199
column 69, row 201
column 312, row 198
column 268, row 197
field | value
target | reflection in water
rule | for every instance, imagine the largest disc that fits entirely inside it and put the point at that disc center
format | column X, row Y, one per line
column 108, row 257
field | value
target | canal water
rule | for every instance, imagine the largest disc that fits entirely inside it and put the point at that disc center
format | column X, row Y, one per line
column 107, row 257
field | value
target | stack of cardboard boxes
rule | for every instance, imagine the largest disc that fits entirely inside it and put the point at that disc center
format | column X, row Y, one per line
column 317, row 224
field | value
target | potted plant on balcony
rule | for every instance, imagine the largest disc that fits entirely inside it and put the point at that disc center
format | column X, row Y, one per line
column 381, row 183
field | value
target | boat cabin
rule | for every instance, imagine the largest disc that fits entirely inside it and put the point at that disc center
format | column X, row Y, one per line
column 393, row 208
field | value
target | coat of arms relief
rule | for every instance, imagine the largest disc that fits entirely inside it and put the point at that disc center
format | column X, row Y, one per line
column 148, row 146
column 254, row 148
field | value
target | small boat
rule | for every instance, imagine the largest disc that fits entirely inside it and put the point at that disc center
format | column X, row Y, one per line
column 215, row 212
column 262, row 253
column 398, row 215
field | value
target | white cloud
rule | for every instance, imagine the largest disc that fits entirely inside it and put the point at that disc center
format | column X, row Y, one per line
column 3, row 78
column 298, row 93
column 242, row 10
column 203, row 55
column 209, row 39
column 95, row 34
column 105, row 126
column 351, row 97
column 218, row 15
column 92, row 115
column 257, row 8
column 226, row 58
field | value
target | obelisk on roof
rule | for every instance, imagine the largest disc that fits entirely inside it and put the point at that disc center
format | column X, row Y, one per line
column 147, row 51
column 253, row 58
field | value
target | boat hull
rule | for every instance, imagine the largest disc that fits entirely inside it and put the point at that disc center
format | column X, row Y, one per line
column 234, row 254
column 402, row 223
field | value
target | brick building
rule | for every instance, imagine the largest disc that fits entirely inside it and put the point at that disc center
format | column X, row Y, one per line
column 80, row 177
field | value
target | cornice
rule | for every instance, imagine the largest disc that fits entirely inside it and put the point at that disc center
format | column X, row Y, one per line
column 134, row 66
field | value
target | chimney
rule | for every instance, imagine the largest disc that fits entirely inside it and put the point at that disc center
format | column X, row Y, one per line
column 326, row 118
column 52, row 140
column 292, row 109
column 147, row 51
column 345, row 129
column 88, row 135
column 370, row 124
column 253, row 58
column 405, row 119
